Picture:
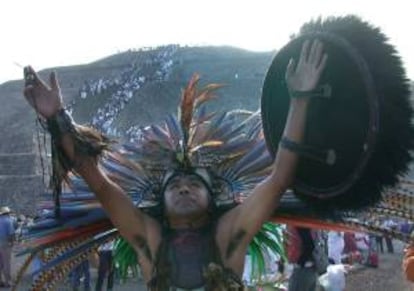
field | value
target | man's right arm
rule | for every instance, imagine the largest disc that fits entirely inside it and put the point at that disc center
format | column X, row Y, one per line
column 139, row 229
column 133, row 224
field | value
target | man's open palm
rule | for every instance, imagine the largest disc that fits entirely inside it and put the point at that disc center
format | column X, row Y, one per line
column 305, row 76
column 45, row 99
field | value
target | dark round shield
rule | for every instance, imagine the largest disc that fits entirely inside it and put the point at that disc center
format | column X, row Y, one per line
column 358, row 133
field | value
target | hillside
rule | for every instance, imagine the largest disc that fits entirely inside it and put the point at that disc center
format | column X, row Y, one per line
column 166, row 72
column 126, row 89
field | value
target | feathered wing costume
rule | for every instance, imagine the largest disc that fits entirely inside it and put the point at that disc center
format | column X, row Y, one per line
column 231, row 149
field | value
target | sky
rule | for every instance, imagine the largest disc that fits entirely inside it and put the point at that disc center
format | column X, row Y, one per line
column 51, row 33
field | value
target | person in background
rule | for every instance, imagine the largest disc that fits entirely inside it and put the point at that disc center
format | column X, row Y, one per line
column 379, row 238
column 80, row 272
column 106, row 266
column 336, row 245
column 406, row 227
column 362, row 244
column 7, row 236
column 408, row 263
column 390, row 224
column 300, row 247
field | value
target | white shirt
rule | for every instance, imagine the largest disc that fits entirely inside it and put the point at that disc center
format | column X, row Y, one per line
column 336, row 245
column 362, row 241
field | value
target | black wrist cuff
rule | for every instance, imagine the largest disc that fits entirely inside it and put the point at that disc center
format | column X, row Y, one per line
column 324, row 91
column 326, row 156
column 60, row 124
column 290, row 145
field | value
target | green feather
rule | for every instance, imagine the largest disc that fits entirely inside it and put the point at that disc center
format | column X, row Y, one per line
column 269, row 238
column 125, row 257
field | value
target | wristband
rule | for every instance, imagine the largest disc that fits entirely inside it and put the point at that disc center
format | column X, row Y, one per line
column 325, row 156
column 60, row 124
column 324, row 91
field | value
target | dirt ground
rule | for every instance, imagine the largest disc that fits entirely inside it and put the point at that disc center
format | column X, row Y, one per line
column 387, row 277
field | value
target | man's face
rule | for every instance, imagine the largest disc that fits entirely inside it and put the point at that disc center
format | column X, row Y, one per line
column 186, row 195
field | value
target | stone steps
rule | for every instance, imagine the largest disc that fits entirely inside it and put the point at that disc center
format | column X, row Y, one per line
column 21, row 192
column 17, row 164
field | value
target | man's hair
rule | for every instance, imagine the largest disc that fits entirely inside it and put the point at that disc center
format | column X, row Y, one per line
column 200, row 173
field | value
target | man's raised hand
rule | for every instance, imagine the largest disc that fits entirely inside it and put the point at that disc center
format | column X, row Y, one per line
column 304, row 76
column 45, row 99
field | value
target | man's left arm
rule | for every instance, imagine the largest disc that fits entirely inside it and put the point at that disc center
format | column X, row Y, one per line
column 247, row 218
column 243, row 222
